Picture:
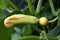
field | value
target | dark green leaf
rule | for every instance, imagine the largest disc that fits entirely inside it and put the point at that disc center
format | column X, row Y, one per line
column 35, row 38
column 58, row 37
column 54, row 32
column 47, row 14
column 2, row 4
column 58, row 16
column 46, row 6
column 29, row 38
column 5, row 33
column 26, row 30
column 1, row 15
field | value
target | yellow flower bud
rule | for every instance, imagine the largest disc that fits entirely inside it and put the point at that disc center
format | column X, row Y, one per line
column 19, row 18
column 43, row 21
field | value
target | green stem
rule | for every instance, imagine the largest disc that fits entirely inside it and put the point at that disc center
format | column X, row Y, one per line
column 11, row 4
column 46, row 5
column 58, row 16
column 51, row 26
column 25, row 9
column 10, row 11
column 38, row 7
column 31, row 8
column 48, row 29
column 53, row 20
column 52, row 8
column 44, row 28
column 36, row 28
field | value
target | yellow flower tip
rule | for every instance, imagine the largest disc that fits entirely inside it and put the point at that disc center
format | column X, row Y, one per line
column 43, row 21
column 11, row 20
column 8, row 24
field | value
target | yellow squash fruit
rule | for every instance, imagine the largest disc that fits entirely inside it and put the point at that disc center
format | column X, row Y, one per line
column 19, row 18
column 43, row 21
